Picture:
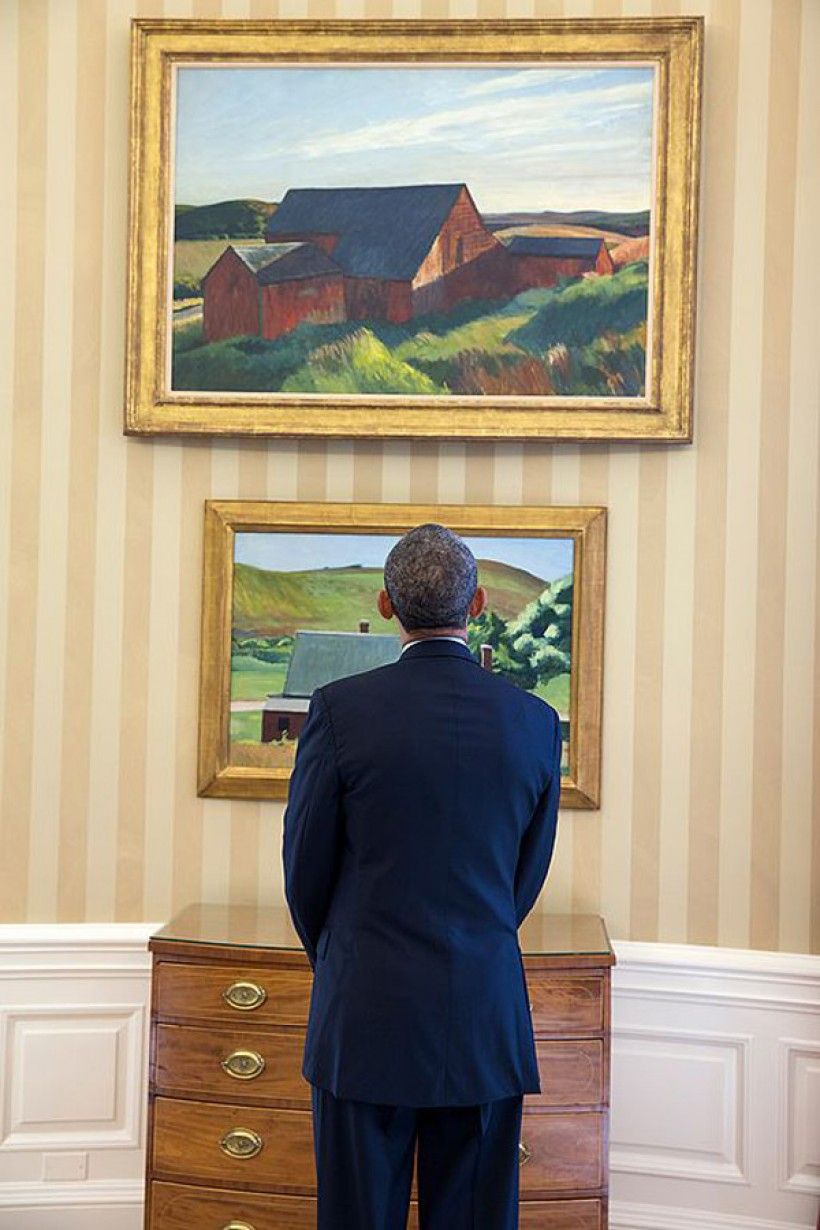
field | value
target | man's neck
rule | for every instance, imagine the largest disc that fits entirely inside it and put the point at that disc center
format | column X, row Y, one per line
column 409, row 639
column 429, row 634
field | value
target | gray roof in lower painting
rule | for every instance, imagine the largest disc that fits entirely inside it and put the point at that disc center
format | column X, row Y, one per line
column 568, row 247
column 286, row 704
column 321, row 657
column 285, row 262
column 383, row 232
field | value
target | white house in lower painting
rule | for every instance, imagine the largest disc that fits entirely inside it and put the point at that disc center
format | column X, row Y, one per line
column 715, row 1119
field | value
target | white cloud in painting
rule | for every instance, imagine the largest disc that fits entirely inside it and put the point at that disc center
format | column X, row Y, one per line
column 525, row 138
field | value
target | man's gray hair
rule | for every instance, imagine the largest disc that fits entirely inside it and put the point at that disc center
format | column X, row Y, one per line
column 431, row 577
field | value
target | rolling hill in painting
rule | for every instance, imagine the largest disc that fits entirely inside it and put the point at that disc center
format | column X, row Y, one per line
column 277, row 603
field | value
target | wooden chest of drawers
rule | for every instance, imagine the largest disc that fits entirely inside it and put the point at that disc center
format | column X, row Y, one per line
column 230, row 1143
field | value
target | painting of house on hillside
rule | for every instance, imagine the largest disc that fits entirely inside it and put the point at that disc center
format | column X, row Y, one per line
column 443, row 232
column 304, row 614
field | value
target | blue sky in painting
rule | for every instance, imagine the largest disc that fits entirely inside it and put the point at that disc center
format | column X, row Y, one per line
column 546, row 558
column 522, row 138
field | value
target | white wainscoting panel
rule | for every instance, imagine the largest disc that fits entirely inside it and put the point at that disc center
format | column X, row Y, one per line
column 715, row 1088
column 715, row 1083
column 74, row 1013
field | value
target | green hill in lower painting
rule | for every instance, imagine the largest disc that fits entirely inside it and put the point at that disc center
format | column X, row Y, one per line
column 267, row 603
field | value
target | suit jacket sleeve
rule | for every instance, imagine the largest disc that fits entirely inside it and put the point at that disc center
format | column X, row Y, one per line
column 538, row 841
column 313, row 832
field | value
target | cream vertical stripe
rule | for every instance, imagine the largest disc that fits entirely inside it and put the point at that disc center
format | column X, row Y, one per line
column 50, row 644
column 744, row 446
column 188, row 814
column 775, row 392
column 246, row 817
column 678, row 642
column 620, row 648
column 106, row 694
column 216, row 813
column 92, row 29
column 587, row 843
column 814, row 924
column 646, row 767
column 163, row 662
column 557, row 894
column 716, row 254
column 9, row 86
column 800, row 597
column 131, row 869
column 28, row 289
column 396, row 471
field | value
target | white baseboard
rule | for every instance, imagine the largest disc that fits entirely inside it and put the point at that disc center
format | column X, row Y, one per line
column 715, row 1083
column 624, row 1216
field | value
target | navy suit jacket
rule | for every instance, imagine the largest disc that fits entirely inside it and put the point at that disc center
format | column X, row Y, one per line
column 419, row 829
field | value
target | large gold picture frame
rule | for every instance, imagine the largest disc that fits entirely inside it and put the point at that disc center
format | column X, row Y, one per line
column 582, row 528
column 671, row 46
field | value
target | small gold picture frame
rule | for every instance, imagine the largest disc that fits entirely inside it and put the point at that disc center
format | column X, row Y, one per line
column 289, row 604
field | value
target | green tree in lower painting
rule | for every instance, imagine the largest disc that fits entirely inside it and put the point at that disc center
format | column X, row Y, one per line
column 534, row 647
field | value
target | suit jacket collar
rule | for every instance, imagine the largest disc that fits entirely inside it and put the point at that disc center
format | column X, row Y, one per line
column 436, row 647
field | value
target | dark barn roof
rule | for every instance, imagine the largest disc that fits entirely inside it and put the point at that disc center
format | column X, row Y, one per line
column 568, row 247
column 284, row 262
column 384, row 232
column 321, row 657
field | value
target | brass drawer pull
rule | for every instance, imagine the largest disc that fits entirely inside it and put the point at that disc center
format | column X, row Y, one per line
column 524, row 1154
column 245, row 995
column 244, row 1065
column 241, row 1142
column 238, row 1225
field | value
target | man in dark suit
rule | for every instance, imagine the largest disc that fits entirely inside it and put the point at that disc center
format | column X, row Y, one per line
column 419, row 830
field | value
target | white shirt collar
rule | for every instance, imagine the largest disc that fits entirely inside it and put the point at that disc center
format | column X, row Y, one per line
column 458, row 639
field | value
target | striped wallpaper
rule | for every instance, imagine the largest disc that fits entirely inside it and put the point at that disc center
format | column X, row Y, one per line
column 711, row 767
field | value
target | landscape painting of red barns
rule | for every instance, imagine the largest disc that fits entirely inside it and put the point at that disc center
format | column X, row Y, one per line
column 430, row 230
column 414, row 229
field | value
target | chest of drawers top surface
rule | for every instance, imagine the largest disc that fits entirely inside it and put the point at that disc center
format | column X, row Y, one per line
column 254, row 933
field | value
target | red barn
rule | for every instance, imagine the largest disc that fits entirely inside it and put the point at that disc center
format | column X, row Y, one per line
column 334, row 254
column 269, row 289
column 398, row 248
column 540, row 260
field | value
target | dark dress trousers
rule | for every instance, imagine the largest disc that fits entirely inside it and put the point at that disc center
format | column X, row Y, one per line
column 418, row 833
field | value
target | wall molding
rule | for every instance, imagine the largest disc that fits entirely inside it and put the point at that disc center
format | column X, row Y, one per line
column 719, row 1141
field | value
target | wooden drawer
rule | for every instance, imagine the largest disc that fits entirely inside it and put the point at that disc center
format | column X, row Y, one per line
column 196, row 992
column 565, row 1151
column 566, row 1002
column 177, row 1206
column 572, row 1073
column 187, row 1137
column 189, row 1057
column 544, row 1215
column 560, row 1215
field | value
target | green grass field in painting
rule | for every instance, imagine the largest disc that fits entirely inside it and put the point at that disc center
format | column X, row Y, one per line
column 555, row 693
column 252, row 679
column 246, row 725
column 583, row 337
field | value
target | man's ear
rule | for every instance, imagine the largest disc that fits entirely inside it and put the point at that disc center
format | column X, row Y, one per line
column 478, row 603
column 384, row 604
